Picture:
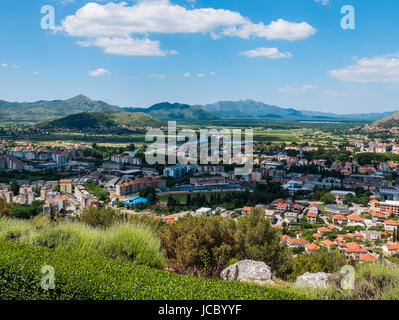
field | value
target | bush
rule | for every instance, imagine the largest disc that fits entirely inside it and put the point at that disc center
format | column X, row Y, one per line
column 196, row 242
column 320, row 261
column 86, row 276
column 128, row 241
column 101, row 217
column 192, row 241
column 255, row 239
column 373, row 281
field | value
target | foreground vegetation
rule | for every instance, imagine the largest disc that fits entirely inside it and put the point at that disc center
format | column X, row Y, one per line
column 86, row 276
column 123, row 241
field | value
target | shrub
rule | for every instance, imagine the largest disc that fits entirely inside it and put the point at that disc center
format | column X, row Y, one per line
column 320, row 261
column 87, row 276
column 101, row 217
column 255, row 239
column 192, row 241
column 128, row 241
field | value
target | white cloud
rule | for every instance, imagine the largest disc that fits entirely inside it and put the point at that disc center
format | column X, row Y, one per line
column 213, row 73
column 35, row 73
column 4, row 65
column 16, row 66
column 187, row 75
column 271, row 53
column 276, row 30
column 99, row 72
column 201, row 75
column 126, row 46
column 323, row 2
column 116, row 26
column 294, row 90
column 157, row 76
column 384, row 68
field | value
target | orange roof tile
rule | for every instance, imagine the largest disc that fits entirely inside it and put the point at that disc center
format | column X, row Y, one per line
column 391, row 222
column 367, row 257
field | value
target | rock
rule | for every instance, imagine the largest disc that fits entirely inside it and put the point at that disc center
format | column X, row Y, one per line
column 313, row 280
column 248, row 271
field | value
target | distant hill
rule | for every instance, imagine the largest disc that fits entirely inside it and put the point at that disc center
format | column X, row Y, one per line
column 42, row 110
column 176, row 111
column 92, row 120
column 249, row 109
column 389, row 121
column 245, row 109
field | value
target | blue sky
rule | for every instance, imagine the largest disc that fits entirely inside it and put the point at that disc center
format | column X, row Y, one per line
column 291, row 53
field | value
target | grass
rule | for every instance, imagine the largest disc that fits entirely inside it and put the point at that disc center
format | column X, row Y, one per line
column 124, row 241
column 86, row 276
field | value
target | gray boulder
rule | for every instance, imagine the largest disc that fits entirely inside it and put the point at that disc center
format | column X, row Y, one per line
column 313, row 280
column 248, row 271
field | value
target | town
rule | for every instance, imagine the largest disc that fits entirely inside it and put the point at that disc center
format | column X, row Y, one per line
column 351, row 205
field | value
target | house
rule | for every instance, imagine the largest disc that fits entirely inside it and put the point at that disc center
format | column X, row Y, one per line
column 311, row 218
column 340, row 195
column 291, row 217
column 317, row 235
column 353, row 249
column 323, row 230
column 390, row 225
column 367, row 258
column 246, row 209
column 327, row 243
column 314, row 208
column 204, row 211
column 391, row 248
column 310, row 247
column 337, row 209
column 66, row 186
column 295, row 243
column 371, row 235
column 378, row 217
column 297, row 207
column 355, row 219
column 339, row 219
column 97, row 176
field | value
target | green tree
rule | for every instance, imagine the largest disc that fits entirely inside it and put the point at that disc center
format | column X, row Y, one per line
column 5, row 209
column 328, row 198
column 101, row 217
column 255, row 239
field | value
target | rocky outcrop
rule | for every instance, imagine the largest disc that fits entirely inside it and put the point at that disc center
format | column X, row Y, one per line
column 248, row 271
column 313, row 280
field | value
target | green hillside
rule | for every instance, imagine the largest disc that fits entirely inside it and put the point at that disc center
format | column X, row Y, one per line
column 176, row 112
column 92, row 120
column 85, row 276
column 389, row 121
column 42, row 110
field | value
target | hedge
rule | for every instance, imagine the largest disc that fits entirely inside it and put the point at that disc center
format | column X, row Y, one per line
column 86, row 276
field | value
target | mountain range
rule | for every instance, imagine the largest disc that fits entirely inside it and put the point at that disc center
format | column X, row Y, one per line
column 249, row 109
column 108, row 119
column 176, row 111
column 244, row 109
column 387, row 122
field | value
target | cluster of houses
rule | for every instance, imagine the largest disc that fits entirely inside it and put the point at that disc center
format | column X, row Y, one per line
column 377, row 223
column 33, row 158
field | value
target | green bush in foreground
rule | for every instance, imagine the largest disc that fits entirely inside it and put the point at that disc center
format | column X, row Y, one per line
column 127, row 241
column 86, row 276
